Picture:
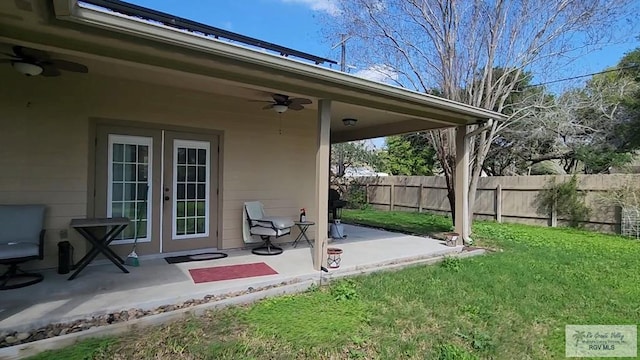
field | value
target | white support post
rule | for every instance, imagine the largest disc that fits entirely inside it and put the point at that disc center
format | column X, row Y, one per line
column 462, row 225
column 323, row 147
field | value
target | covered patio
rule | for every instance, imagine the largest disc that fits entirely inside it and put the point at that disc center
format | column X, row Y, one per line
column 164, row 86
column 103, row 289
column 163, row 90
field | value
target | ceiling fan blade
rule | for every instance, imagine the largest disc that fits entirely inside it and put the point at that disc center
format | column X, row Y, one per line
column 12, row 56
column 302, row 101
column 70, row 66
column 295, row 106
column 29, row 53
column 270, row 106
column 279, row 98
column 49, row 70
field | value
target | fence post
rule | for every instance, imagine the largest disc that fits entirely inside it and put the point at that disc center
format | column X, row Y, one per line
column 554, row 216
column 420, row 198
column 498, row 203
column 392, row 196
column 366, row 195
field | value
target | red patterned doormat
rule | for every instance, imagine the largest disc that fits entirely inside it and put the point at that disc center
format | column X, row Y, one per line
column 218, row 273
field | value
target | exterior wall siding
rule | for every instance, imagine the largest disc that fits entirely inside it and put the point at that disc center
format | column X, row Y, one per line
column 45, row 142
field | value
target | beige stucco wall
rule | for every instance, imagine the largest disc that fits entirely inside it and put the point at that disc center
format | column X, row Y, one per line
column 44, row 144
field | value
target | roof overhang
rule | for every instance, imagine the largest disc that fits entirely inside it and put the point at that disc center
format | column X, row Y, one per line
column 160, row 45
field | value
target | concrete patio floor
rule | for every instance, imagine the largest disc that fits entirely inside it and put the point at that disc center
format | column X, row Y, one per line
column 103, row 288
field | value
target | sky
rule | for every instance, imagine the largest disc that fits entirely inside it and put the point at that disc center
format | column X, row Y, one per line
column 296, row 24
column 290, row 23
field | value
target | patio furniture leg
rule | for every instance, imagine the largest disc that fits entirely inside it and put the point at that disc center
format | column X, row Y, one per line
column 302, row 235
column 100, row 246
column 267, row 248
column 14, row 272
column 295, row 242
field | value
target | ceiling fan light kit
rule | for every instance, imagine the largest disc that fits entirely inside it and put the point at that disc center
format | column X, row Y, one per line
column 282, row 103
column 280, row 108
column 34, row 62
column 349, row 121
column 26, row 68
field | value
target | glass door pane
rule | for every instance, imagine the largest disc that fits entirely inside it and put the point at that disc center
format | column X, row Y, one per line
column 129, row 186
column 191, row 189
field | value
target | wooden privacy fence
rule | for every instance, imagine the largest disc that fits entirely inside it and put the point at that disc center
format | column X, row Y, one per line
column 501, row 198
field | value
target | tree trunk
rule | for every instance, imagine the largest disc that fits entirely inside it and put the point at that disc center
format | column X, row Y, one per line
column 444, row 143
column 451, row 195
column 483, row 144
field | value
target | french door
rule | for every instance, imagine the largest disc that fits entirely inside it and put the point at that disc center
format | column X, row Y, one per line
column 189, row 191
column 164, row 181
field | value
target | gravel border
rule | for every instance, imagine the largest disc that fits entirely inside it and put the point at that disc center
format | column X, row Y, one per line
column 58, row 329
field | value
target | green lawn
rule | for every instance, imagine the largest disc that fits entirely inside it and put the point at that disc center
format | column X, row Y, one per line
column 512, row 303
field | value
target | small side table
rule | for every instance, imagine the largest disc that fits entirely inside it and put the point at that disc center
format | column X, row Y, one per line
column 303, row 226
column 112, row 227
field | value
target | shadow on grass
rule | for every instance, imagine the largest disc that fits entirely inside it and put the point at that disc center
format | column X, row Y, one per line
column 406, row 222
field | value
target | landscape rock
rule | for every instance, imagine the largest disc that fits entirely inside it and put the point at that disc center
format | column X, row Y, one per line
column 59, row 329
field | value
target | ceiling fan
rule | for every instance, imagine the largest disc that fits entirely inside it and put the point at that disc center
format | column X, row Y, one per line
column 32, row 62
column 282, row 103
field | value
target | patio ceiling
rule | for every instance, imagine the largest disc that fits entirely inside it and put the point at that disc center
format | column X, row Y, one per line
column 120, row 46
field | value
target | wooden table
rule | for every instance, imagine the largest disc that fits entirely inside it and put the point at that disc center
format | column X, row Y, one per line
column 87, row 228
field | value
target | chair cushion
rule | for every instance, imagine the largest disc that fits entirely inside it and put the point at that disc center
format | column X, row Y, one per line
column 255, row 210
column 278, row 222
column 267, row 231
column 21, row 223
column 16, row 250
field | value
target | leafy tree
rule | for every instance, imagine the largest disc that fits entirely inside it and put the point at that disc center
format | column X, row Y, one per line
column 630, row 63
column 347, row 155
column 598, row 161
column 408, row 155
column 565, row 199
column 588, row 129
column 524, row 102
column 351, row 154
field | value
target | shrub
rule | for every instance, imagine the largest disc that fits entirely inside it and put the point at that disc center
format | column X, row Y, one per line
column 627, row 199
column 565, row 199
column 356, row 196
